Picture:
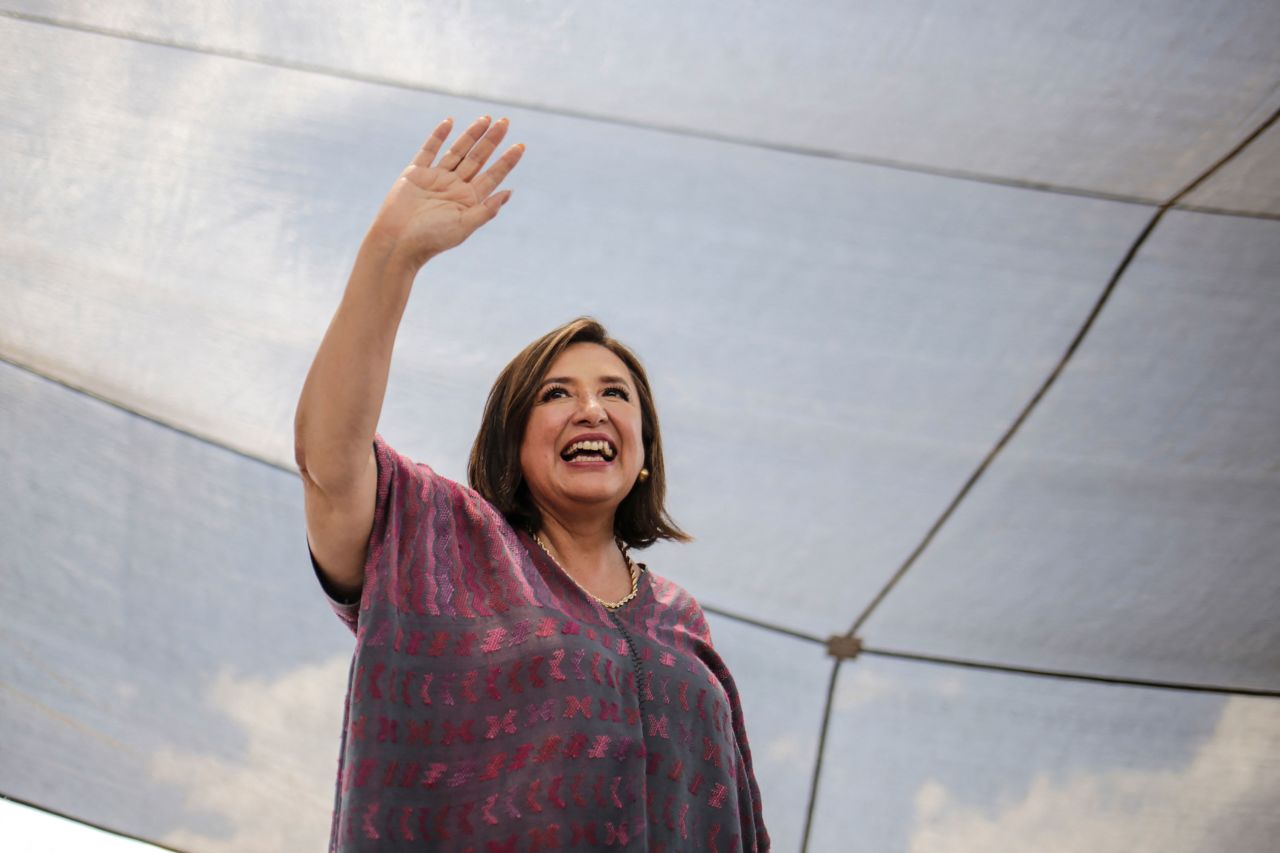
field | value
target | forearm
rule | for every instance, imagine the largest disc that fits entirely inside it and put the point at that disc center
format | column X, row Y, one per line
column 342, row 397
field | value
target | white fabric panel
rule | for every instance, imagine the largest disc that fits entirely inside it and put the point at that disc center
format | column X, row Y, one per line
column 1249, row 182
column 833, row 346
column 782, row 682
column 1135, row 99
column 1130, row 528
column 929, row 759
column 168, row 665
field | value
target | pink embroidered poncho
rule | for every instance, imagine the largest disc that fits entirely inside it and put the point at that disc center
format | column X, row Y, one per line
column 494, row 706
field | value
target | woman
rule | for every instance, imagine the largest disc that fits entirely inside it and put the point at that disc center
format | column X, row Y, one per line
column 519, row 683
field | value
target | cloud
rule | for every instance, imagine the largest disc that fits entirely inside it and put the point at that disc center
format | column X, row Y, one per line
column 277, row 795
column 791, row 750
column 860, row 686
column 1228, row 781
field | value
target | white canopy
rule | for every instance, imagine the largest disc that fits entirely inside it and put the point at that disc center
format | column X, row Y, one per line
column 927, row 375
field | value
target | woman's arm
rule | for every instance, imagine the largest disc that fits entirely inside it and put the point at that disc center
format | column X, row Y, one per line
column 431, row 208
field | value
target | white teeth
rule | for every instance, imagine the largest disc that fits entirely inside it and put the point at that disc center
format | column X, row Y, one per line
column 602, row 448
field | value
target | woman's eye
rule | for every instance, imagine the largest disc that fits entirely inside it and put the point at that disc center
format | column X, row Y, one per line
column 552, row 393
column 618, row 392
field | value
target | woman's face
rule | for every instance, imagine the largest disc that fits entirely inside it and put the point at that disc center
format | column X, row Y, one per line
column 583, row 447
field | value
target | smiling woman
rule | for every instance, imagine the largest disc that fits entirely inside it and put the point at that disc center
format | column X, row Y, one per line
column 575, row 384
column 519, row 682
column 586, row 472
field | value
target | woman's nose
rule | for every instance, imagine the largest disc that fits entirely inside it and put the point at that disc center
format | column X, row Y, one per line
column 591, row 410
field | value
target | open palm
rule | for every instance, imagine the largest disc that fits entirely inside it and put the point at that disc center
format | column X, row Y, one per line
column 434, row 206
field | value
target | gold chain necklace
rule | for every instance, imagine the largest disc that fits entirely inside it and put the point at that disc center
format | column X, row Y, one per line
column 631, row 567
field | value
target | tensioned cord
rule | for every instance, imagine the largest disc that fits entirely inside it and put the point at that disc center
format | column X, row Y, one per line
column 616, row 120
column 1049, row 381
column 722, row 612
column 986, row 463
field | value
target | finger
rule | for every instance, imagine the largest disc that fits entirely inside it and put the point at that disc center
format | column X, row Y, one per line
column 496, row 173
column 427, row 152
column 479, row 153
column 463, row 143
column 481, row 213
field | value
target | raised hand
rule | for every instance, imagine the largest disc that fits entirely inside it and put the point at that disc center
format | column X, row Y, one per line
column 434, row 206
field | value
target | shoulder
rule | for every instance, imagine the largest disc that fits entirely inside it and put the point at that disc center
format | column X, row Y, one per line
column 672, row 597
column 668, row 592
column 434, row 532
column 417, row 486
column 395, row 469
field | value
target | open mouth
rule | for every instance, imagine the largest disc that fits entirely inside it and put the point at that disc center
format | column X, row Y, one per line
column 589, row 451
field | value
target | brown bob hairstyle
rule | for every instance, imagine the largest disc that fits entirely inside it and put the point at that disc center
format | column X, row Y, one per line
column 494, row 469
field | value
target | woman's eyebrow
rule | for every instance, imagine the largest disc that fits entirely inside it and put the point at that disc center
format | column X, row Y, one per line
column 569, row 380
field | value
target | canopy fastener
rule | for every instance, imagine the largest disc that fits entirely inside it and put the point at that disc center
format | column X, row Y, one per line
column 843, row 646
